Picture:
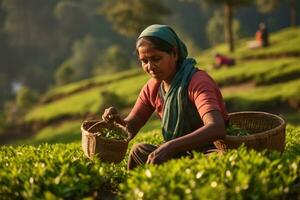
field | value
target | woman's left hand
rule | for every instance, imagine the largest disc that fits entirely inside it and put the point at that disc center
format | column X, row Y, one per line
column 161, row 154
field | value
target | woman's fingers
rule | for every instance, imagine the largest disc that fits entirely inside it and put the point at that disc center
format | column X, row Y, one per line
column 105, row 115
column 111, row 114
column 153, row 158
column 113, row 110
column 160, row 155
column 150, row 159
column 114, row 117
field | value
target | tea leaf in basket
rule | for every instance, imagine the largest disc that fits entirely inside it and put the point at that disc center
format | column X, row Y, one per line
column 113, row 134
column 234, row 130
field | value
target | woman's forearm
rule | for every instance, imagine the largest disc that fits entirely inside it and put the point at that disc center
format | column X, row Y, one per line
column 199, row 138
column 213, row 129
column 133, row 125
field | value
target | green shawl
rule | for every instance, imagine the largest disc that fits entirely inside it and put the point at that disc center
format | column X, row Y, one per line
column 180, row 115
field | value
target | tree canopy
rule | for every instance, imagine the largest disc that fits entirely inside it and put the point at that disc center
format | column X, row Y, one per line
column 132, row 16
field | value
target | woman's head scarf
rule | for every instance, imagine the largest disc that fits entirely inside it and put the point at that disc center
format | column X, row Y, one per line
column 167, row 34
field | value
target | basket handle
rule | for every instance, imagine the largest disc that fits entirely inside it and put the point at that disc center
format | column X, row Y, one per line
column 94, row 125
column 97, row 124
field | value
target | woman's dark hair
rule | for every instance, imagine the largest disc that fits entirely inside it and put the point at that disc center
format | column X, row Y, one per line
column 160, row 45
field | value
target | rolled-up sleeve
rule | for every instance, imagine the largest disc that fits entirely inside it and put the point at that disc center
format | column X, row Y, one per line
column 206, row 95
column 143, row 107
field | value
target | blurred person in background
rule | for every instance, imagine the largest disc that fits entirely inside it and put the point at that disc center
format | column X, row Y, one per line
column 222, row 60
column 261, row 37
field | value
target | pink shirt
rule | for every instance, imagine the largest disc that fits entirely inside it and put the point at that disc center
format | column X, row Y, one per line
column 202, row 90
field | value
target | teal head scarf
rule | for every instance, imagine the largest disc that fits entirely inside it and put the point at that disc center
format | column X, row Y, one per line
column 180, row 116
column 167, row 34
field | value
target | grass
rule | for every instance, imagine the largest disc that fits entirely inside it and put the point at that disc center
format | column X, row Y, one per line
column 264, row 96
column 127, row 84
column 88, row 101
column 253, row 99
column 91, row 82
column 284, row 41
column 260, row 71
column 66, row 132
column 74, row 105
column 281, row 42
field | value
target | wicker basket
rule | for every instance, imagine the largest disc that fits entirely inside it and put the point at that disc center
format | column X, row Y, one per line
column 107, row 149
column 267, row 131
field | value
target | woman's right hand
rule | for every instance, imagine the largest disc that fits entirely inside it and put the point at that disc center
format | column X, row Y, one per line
column 111, row 115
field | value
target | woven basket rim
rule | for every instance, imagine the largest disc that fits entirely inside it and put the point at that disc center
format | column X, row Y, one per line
column 260, row 134
column 87, row 133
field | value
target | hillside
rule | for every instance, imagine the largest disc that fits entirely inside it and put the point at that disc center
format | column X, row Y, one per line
column 265, row 83
column 35, row 166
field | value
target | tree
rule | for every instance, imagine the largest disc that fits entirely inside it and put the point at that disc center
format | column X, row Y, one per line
column 215, row 26
column 112, row 60
column 64, row 74
column 14, row 110
column 267, row 6
column 81, row 62
column 4, row 88
column 130, row 17
column 293, row 13
column 229, row 6
column 29, row 28
column 25, row 98
column 68, row 14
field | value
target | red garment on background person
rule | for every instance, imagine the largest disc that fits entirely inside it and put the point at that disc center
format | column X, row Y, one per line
column 202, row 90
column 222, row 60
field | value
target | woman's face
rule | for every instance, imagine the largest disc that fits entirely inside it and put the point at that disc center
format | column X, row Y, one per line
column 158, row 64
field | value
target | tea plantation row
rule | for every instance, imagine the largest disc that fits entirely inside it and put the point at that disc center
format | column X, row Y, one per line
column 62, row 171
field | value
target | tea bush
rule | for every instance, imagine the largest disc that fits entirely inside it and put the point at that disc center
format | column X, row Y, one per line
column 62, row 171
column 28, row 172
column 238, row 174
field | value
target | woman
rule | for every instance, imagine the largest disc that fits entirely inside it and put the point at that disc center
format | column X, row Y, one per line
column 186, row 99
